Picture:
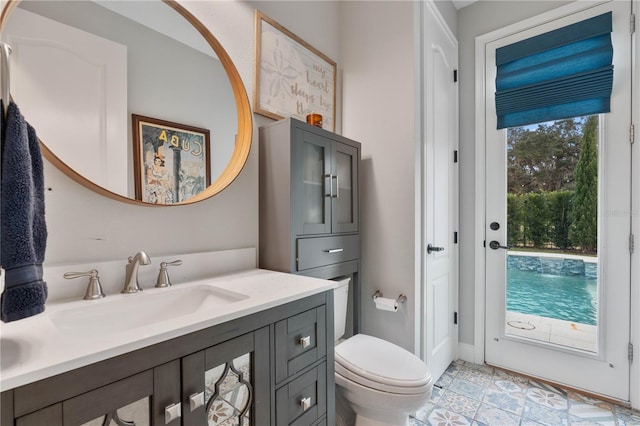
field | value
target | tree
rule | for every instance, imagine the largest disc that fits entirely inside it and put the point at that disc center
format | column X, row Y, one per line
column 559, row 206
column 584, row 227
column 543, row 159
column 536, row 219
column 515, row 220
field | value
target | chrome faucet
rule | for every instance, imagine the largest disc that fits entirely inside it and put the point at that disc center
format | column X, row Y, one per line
column 131, row 279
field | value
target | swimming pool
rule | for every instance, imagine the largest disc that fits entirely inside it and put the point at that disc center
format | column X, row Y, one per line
column 564, row 297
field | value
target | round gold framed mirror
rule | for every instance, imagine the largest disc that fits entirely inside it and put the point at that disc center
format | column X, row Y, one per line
column 198, row 96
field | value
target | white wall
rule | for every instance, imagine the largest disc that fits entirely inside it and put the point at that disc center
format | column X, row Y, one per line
column 378, row 91
column 85, row 227
column 474, row 20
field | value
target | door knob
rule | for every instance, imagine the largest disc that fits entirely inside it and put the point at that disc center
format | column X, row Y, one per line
column 496, row 245
column 431, row 248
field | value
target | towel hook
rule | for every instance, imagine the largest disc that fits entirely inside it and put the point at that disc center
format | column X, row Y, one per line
column 5, row 85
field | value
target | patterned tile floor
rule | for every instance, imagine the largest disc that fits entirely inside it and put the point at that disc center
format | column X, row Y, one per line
column 469, row 394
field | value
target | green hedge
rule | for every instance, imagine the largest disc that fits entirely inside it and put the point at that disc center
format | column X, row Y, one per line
column 539, row 219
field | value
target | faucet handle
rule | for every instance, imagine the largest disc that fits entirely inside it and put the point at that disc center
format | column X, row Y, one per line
column 94, row 289
column 163, row 275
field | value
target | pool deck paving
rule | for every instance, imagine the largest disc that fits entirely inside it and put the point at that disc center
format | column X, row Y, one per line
column 559, row 332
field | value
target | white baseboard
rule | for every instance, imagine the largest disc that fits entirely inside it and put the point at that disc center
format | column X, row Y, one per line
column 466, row 352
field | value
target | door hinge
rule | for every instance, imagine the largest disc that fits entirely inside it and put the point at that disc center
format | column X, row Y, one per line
column 455, row 237
column 632, row 23
column 455, row 318
column 630, row 351
column 632, row 243
column 455, row 76
column 632, row 134
column 455, row 156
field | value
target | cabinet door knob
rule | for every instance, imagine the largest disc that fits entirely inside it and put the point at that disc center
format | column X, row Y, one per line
column 196, row 401
column 172, row 412
column 305, row 341
column 305, row 403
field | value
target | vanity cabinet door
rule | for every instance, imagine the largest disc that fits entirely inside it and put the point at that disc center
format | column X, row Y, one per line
column 50, row 416
column 127, row 399
column 228, row 383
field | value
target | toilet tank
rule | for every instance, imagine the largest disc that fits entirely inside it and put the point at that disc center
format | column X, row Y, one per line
column 340, row 297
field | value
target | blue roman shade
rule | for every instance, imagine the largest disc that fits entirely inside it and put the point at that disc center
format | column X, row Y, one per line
column 564, row 73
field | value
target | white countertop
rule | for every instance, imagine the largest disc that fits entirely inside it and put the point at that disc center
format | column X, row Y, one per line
column 35, row 348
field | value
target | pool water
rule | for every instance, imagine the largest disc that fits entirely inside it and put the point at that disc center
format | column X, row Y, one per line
column 569, row 298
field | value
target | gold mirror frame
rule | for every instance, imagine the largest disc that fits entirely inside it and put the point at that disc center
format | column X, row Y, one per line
column 245, row 126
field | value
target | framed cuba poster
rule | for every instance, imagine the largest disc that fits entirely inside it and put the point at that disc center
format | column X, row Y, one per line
column 171, row 161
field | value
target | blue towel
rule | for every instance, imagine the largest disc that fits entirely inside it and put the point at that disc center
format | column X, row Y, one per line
column 23, row 228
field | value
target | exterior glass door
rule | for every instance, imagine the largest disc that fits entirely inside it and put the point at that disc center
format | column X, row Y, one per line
column 580, row 335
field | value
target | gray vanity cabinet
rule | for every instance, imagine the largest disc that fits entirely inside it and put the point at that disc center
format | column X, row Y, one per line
column 231, row 373
column 309, row 203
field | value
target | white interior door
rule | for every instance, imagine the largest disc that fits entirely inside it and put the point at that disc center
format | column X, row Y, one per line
column 71, row 87
column 604, row 367
column 441, row 193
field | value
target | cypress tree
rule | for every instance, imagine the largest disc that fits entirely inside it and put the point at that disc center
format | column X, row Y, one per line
column 584, row 229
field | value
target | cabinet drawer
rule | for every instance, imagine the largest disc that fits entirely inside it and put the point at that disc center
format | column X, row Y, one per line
column 300, row 341
column 303, row 401
column 314, row 252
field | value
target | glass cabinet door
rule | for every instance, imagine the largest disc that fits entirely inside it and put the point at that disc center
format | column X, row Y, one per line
column 134, row 414
column 345, row 189
column 314, row 183
column 225, row 385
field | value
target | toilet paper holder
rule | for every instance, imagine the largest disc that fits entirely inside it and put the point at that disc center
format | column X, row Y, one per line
column 400, row 299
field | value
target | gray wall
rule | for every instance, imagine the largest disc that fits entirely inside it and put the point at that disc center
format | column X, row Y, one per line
column 379, row 109
column 474, row 20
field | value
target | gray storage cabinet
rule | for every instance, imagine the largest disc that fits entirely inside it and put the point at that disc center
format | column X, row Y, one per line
column 309, row 206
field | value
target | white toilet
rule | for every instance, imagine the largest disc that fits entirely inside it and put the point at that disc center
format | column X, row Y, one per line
column 381, row 382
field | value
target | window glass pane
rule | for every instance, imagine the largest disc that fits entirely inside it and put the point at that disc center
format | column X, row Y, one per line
column 552, row 231
column 313, row 176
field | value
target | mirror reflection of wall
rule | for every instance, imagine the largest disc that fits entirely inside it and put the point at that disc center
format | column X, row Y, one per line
column 163, row 78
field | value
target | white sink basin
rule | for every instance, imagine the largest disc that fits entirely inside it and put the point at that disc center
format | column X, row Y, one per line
column 129, row 311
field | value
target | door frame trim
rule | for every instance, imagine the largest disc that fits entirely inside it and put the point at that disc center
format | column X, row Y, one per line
column 480, row 175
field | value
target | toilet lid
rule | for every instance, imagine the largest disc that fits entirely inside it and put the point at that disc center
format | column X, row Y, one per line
column 381, row 365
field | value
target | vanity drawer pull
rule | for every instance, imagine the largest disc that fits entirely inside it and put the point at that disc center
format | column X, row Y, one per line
column 305, row 341
column 305, row 403
column 172, row 412
column 196, row 401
